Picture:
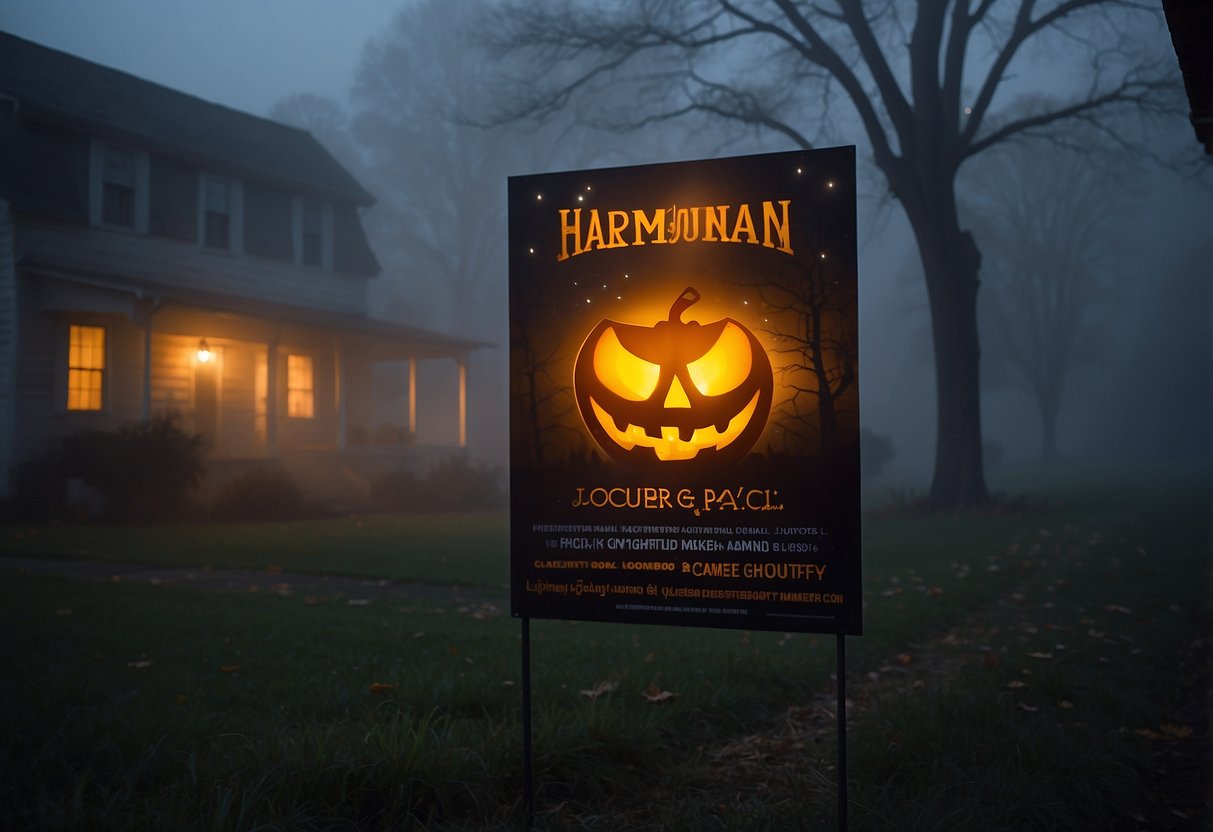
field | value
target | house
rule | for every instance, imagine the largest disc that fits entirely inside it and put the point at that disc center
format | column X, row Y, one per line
column 160, row 253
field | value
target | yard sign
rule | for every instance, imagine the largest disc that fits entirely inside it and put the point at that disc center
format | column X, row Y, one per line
column 684, row 420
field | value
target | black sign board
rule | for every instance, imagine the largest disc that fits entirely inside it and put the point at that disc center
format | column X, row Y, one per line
column 684, row 394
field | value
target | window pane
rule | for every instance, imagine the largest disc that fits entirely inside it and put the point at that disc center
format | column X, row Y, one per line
column 86, row 366
column 118, row 204
column 299, row 398
column 215, row 230
column 119, row 166
column 311, row 218
column 216, row 195
column 311, row 249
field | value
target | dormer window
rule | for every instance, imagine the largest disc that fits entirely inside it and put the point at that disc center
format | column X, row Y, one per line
column 313, row 233
column 220, row 213
column 118, row 187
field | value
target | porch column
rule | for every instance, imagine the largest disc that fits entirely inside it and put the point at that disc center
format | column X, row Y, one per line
column 463, row 402
column 412, row 405
column 147, row 368
column 271, row 395
column 150, row 309
column 339, row 392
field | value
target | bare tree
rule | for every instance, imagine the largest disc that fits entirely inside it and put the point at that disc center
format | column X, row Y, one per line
column 921, row 80
column 1056, row 235
column 812, row 317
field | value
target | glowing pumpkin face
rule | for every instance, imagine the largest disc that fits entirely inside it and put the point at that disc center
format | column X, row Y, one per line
column 677, row 387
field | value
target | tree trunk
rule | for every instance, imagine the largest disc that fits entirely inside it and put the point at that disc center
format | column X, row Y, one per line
column 951, row 262
column 1049, row 405
column 828, row 424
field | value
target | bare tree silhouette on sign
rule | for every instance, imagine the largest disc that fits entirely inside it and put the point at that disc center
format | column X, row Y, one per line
column 540, row 404
column 921, row 79
column 811, row 315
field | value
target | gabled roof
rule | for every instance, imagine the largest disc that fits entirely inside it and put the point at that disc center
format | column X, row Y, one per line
column 49, row 85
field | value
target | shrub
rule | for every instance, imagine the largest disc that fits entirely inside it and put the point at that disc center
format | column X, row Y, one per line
column 38, row 490
column 264, row 493
column 145, row 470
column 453, row 484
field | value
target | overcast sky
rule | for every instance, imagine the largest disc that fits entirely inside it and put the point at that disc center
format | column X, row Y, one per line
column 209, row 48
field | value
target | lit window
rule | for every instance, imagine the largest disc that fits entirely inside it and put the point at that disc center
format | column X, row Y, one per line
column 119, row 187
column 85, row 367
column 220, row 213
column 299, row 396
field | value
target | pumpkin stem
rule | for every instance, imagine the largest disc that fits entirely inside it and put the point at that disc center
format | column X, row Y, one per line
column 686, row 300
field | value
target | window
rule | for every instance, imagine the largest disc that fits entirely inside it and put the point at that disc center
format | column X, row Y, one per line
column 220, row 213
column 300, row 402
column 85, row 367
column 311, row 249
column 313, row 233
column 119, row 187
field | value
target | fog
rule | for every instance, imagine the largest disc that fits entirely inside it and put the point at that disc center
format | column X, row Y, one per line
column 393, row 88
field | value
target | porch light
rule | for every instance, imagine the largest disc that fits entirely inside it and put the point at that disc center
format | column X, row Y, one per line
column 204, row 351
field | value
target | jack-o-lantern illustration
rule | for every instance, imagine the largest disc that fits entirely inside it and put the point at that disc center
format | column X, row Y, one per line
column 677, row 388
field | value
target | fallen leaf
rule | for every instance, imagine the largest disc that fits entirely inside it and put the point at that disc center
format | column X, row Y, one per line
column 1015, row 684
column 935, row 591
column 1029, row 708
column 1065, row 704
column 380, row 687
column 228, row 668
column 310, row 600
column 1118, row 608
column 991, row 659
column 1148, row 734
column 273, row 569
column 1179, row 732
column 139, row 665
column 599, row 689
column 1039, row 655
column 358, row 602
column 182, row 699
column 905, row 659
column 655, row 694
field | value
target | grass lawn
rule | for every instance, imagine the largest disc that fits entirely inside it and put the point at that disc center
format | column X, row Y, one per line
column 1045, row 669
column 469, row 548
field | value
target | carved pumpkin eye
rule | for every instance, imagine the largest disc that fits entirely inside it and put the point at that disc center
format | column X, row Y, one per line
column 622, row 372
column 725, row 366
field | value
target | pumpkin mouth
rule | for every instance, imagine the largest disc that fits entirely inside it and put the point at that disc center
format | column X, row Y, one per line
column 669, row 446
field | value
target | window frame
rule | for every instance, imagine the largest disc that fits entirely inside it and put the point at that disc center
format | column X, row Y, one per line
column 98, row 181
column 306, row 393
column 235, row 212
column 102, row 391
column 298, row 210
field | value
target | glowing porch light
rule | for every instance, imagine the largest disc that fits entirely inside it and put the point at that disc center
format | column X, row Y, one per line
column 204, row 352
